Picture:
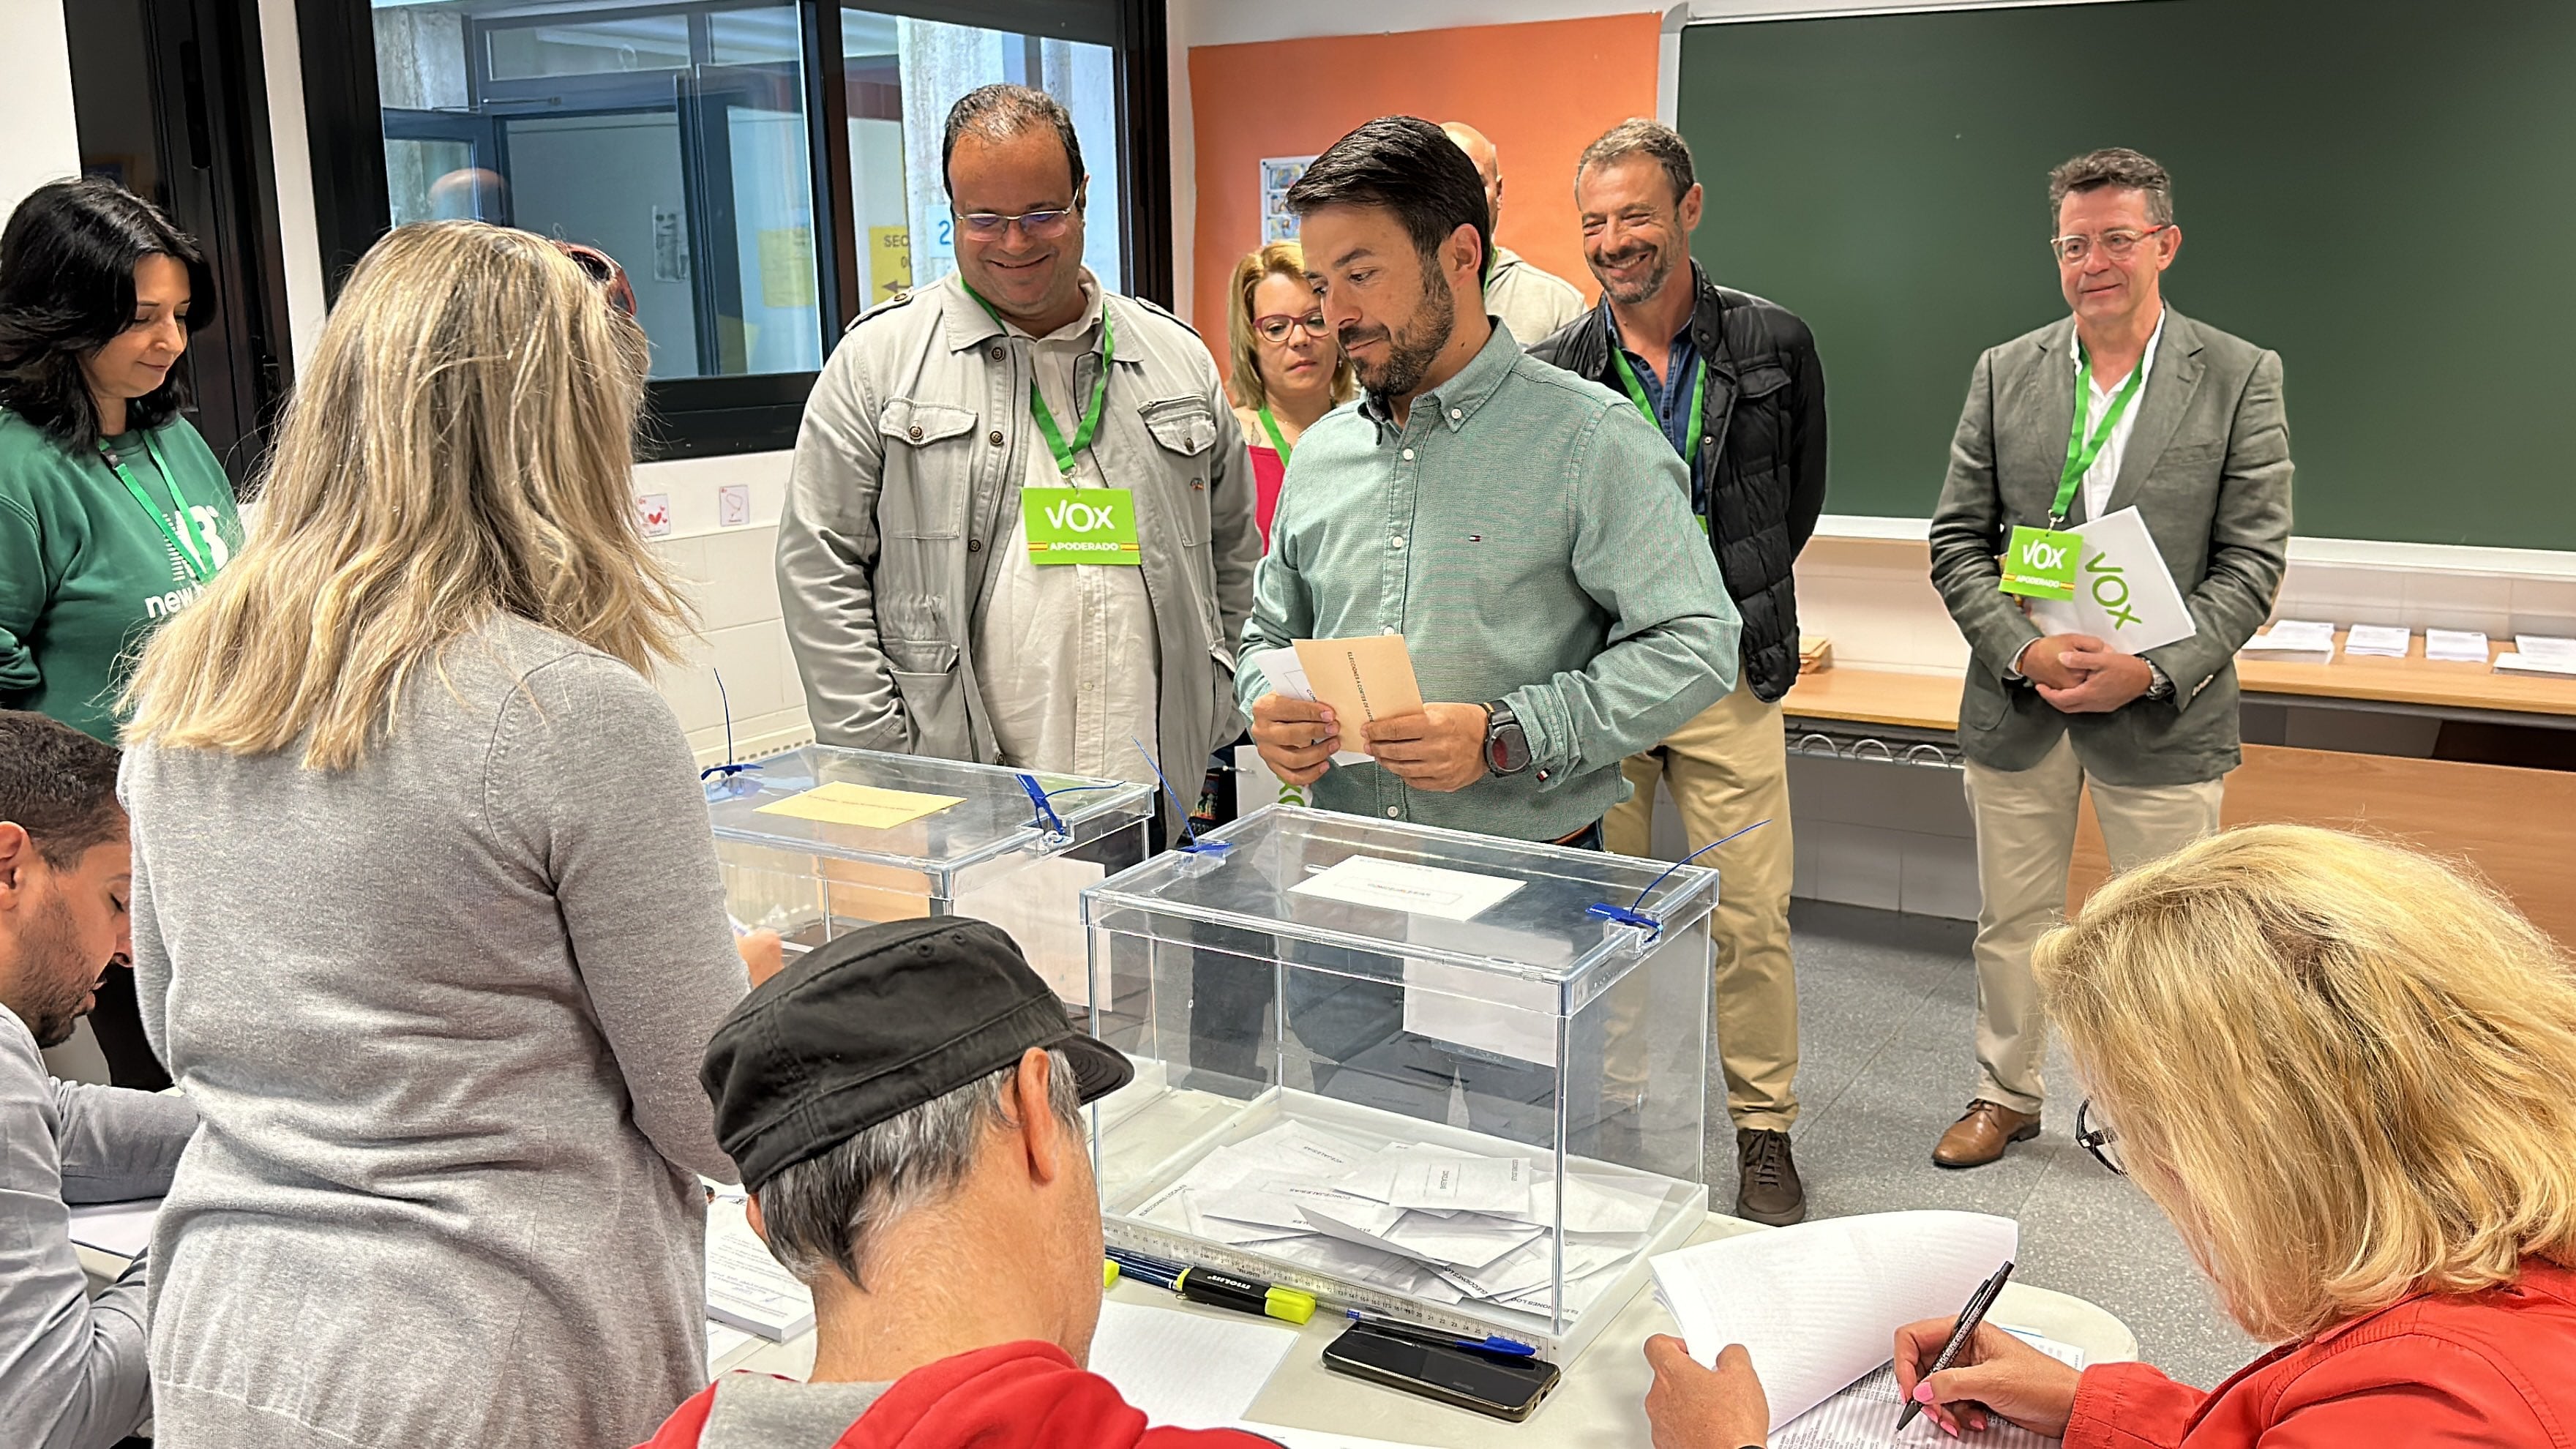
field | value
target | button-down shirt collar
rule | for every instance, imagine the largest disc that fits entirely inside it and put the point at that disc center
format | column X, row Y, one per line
column 976, row 323
column 2105, row 472
column 1670, row 397
column 1456, row 400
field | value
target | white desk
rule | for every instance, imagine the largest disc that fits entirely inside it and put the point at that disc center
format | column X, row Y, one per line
column 1600, row 1404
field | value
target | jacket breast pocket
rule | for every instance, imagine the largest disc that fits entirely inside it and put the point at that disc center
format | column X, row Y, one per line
column 928, row 473
column 1184, row 433
column 1759, row 381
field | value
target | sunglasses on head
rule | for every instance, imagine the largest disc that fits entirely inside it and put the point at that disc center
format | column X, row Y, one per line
column 602, row 268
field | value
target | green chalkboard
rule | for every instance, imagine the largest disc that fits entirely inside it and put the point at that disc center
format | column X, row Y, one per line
column 2383, row 191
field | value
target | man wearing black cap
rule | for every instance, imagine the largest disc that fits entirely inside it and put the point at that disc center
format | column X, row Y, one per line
column 904, row 1105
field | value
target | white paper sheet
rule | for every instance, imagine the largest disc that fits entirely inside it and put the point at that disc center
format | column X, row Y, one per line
column 1401, row 885
column 1816, row 1305
column 2554, row 648
column 746, row 1287
column 1187, row 1370
column 1287, row 676
column 722, row 1339
column 1463, row 1184
column 2460, row 646
column 2382, row 641
column 2124, row 595
column 2290, row 637
column 1034, row 906
column 1864, row 1416
column 1289, row 1438
column 122, row 1228
column 2510, row 662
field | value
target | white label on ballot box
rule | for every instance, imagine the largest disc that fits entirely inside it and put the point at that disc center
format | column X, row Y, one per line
column 1489, row 1011
column 2123, row 592
column 1037, row 905
column 1400, row 885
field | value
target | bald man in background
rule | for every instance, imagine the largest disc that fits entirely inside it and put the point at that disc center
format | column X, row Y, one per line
column 1533, row 304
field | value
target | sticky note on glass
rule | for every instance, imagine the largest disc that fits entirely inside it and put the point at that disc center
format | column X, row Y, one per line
column 865, row 806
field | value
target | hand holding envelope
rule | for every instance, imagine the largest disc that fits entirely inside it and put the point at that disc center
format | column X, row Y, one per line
column 1327, row 694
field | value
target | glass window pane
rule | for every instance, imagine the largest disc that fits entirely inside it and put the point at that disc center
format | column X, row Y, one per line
column 674, row 138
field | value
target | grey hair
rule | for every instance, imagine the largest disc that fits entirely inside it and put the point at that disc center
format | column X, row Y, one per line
column 2114, row 166
column 999, row 112
column 1641, row 137
column 821, row 1213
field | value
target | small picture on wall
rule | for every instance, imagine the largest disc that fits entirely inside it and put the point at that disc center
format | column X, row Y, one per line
column 1278, row 173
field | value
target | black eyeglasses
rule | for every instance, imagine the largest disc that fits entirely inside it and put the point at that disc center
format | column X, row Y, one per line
column 2102, row 1142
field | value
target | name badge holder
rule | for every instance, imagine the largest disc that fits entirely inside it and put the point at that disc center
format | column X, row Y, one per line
column 2040, row 563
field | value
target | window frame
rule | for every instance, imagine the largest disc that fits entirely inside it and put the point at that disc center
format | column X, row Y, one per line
column 758, row 412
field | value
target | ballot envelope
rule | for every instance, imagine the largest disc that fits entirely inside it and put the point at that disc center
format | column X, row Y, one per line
column 818, row 840
column 1446, row 1076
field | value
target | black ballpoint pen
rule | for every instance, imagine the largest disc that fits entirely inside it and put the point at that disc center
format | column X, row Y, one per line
column 1960, row 1332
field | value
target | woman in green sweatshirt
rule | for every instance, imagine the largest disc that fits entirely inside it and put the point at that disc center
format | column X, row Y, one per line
column 113, row 511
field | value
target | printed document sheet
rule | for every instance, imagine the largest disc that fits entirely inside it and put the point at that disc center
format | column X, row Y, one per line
column 1864, row 1416
column 1187, row 1370
column 864, row 806
column 1401, row 885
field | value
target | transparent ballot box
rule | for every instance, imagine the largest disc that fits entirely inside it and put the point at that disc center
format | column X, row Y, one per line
column 818, row 840
column 1440, row 1075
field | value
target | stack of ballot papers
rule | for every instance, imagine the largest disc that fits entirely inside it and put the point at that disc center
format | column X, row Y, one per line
column 2461, row 646
column 746, row 1288
column 1817, row 1306
column 2297, row 641
column 2383, row 641
column 2539, row 654
column 1427, row 1222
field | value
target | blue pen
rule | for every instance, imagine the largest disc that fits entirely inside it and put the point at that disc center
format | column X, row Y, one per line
column 1441, row 1337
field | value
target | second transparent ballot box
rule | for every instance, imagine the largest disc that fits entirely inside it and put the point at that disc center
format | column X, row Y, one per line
column 819, row 840
column 1441, row 1075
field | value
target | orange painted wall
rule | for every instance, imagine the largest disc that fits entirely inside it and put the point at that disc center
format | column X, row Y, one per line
column 1541, row 91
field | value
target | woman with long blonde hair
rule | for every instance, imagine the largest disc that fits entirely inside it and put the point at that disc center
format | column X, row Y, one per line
column 427, row 920
column 2347, row 1073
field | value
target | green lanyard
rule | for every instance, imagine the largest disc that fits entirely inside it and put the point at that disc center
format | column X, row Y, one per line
column 2081, row 451
column 1270, row 425
column 1699, row 405
column 1038, row 409
column 197, row 567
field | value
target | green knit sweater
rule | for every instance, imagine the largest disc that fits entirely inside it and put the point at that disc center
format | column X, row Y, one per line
column 85, row 573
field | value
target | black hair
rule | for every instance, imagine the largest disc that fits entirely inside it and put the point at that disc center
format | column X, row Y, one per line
column 67, row 289
column 58, row 785
column 999, row 112
column 1410, row 167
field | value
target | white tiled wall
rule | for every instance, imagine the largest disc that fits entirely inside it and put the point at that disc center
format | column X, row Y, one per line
column 733, row 583
column 1898, row 837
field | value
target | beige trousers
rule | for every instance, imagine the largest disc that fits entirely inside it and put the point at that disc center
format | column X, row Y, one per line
column 1729, row 767
column 2025, row 823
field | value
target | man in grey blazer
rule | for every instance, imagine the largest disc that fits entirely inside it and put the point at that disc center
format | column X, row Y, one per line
column 2184, row 423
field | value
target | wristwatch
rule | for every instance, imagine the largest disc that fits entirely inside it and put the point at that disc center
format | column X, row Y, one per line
column 1507, row 749
column 2160, row 685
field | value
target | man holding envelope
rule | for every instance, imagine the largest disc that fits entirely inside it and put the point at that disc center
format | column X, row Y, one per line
column 2131, row 467
column 1519, row 538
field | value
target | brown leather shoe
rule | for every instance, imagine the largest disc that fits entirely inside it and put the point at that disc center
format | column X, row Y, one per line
column 1981, row 1136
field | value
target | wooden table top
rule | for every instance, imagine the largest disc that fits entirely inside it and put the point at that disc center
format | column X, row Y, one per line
column 1931, row 701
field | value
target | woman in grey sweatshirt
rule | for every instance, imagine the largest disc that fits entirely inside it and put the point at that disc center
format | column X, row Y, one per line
column 427, row 916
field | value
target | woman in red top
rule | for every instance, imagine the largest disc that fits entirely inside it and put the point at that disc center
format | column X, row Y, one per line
column 2348, row 1074
column 1288, row 368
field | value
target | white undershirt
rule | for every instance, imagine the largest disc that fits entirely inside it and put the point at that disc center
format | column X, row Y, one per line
column 1070, row 661
column 2106, row 468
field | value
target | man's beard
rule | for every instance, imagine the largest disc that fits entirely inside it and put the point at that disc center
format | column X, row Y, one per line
column 1644, row 291
column 1413, row 347
column 56, row 987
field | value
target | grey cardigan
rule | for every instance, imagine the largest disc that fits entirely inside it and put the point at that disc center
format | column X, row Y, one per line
column 907, row 467
column 2207, row 466
column 442, row 1016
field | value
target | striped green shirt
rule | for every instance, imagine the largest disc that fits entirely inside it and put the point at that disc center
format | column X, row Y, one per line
column 1530, row 535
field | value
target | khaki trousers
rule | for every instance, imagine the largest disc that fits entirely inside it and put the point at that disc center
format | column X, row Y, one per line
column 2025, row 823
column 1729, row 767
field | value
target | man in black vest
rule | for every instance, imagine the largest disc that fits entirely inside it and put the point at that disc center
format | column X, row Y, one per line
column 1734, row 382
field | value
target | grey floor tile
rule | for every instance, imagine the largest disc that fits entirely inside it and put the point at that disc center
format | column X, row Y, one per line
column 1887, row 1005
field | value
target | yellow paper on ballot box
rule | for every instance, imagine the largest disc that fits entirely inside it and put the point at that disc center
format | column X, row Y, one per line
column 865, row 806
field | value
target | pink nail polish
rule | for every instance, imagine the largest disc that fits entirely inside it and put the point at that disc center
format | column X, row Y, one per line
column 1948, row 1428
column 1923, row 1392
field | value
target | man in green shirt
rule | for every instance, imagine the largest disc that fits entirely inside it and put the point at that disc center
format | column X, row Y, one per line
column 1526, row 531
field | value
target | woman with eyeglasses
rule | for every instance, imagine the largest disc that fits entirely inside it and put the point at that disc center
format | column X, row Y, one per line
column 2347, row 1073
column 1288, row 370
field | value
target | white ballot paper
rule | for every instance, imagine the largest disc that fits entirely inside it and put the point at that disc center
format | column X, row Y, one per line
column 1864, row 1416
column 2383, row 641
column 122, row 1228
column 1187, row 1370
column 2296, row 640
column 1817, row 1305
column 2460, row 646
column 1287, row 676
column 2123, row 593
column 746, row 1288
column 1400, row 885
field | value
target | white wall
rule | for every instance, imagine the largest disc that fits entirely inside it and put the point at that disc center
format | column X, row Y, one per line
column 36, row 103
